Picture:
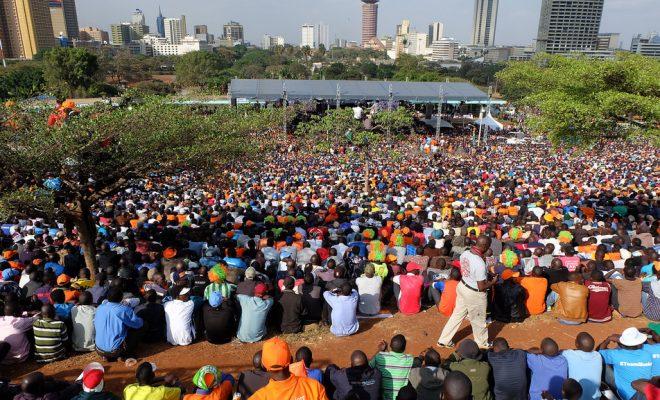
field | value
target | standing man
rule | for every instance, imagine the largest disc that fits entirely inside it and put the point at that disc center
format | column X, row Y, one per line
column 471, row 297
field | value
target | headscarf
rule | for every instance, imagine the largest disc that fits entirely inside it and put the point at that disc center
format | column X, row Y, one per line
column 217, row 274
column 206, row 378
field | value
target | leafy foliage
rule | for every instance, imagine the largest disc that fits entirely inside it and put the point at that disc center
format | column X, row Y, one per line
column 579, row 100
column 21, row 81
column 70, row 71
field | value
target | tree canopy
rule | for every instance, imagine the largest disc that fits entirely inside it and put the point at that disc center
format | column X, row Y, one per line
column 65, row 170
column 579, row 100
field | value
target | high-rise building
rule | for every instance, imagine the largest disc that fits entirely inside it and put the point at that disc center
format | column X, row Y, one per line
column 94, row 34
column 138, row 25
column 417, row 44
column 25, row 28
column 608, row 41
column 323, row 35
column 201, row 32
column 369, row 20
column 184, row 26
column 444, row 49
column 566, row 26
column 120, row 33
column 401, row 40
column 647, row 46
column 436, row 32
column 160, row 23
column 268, row 42
column 484, row 22
column 307, row 39
column 173, row 31
column 64, row 18
column 234, row 32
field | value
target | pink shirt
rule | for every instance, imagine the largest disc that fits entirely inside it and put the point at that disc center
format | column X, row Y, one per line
column 572, row 263
column 13, row 331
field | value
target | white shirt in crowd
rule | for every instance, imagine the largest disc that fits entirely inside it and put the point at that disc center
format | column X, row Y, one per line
column 82, row 336
column 473, row 269
column 369, row 291
column 178, row 316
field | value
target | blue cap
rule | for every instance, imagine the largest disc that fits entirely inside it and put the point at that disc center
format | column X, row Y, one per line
column 289, row 240
column 9, row 274
column 215, row 299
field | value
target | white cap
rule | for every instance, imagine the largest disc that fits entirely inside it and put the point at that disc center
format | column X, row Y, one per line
column 632, row 337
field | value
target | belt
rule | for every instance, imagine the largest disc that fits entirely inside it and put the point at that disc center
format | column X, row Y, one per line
column 470, row 287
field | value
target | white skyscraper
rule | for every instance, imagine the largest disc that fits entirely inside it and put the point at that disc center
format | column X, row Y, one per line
column 173, row 32
column 566, row 26
column 307, row 36
column 323, row 35
column 484, row 22
column 436, row 32
column 444, row 49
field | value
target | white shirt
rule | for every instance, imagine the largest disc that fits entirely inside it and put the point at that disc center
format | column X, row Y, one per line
column 178, row 316
column 369, row 290
column 473, row 269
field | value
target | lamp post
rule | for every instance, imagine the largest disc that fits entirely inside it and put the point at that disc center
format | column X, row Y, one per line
column 338, row 96
column 490, row 94
column 481, row 123
column 389, row 108
column 439, row 116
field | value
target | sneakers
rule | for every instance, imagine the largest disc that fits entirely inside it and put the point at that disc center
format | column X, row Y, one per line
column 449, row 345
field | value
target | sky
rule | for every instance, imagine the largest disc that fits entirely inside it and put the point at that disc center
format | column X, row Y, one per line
column 517, row 21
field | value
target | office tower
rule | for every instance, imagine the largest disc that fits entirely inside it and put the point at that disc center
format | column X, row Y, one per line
column 201, row 32
column 160, row 23
column 566, row 26
column 647, row 46
column 120, row 33
column 417, row 44
column 184, row 26
column 608, row 41
column 268, row 42
column 64, row 18
column 323, row 35
column 25, row 28
column 173, row 31
column 94, row 34
column 234, row 31
column 369, row 20
column 484, row 22
column 138, row 25
column 444, row 49
column 436, row 32
column 307, row 36
column 401, row 40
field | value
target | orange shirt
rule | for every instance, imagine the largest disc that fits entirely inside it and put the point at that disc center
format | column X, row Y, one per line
column 448, row 299
column 293, row 388
column 536, row 288
column 222, row 392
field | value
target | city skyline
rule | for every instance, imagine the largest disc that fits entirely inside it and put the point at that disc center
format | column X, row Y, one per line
column 517, row 22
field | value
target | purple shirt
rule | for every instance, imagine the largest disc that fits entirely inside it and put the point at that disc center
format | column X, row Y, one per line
column 13, row 330
column 548, row 373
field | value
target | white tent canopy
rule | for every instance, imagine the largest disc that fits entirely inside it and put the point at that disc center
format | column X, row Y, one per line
column 490, row 122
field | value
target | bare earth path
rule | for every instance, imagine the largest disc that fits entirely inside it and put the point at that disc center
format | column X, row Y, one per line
column 422, row 331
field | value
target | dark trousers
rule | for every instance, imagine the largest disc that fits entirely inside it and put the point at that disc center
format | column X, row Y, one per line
column 4, row 350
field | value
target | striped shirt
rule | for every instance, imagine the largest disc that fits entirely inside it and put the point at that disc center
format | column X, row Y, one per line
column 224, row 288
column 50, row 337
column 394, row 367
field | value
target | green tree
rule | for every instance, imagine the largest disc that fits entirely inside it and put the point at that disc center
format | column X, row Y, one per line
column 578, row 100
column 101, row 151
column 21, row 81
column 70, row 71
column 197, row 68
column 395, row 120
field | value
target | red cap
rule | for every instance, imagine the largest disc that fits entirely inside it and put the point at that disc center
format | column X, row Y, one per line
column 92, row 378
column 260, row 289
column 413, row 267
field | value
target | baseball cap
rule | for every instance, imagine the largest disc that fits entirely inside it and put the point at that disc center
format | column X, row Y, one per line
column 92, row 377
column 632, row 337
column 206, row 378
column 260, row 289
column 275, row 354
column 63, row 279
column 508, row 274
column 413, row 267
column 250, row 273
column 184, row 291
column 9, row 274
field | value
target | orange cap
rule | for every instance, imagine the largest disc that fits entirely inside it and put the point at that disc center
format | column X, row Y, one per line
column 63, row 279
column 275, row 355
column 169, row 253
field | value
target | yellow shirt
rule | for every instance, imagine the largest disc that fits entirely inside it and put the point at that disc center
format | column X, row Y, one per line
column 137, row 392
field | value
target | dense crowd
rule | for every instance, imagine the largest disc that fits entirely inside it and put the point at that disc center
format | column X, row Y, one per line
column 497, row 234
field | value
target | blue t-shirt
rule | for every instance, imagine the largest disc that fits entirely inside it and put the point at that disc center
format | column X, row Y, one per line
column 586, row 368
column 654, row 351
column 629, row 365
column 63, row 310
column 361, row 245
column 548, row 373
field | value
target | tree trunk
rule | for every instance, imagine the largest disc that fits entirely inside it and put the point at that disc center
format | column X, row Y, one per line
column 87, row 235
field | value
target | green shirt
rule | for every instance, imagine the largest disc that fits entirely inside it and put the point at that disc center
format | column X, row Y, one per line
column 394, row 368
column 224, row 288
column 49, row 338
column 478, row 372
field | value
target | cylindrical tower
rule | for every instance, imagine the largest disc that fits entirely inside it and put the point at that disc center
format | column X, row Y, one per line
column 369, row 20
